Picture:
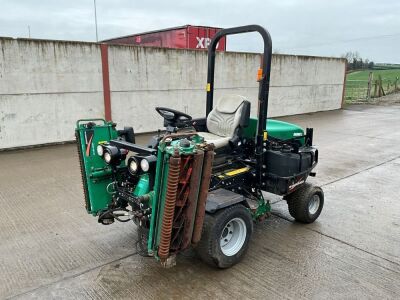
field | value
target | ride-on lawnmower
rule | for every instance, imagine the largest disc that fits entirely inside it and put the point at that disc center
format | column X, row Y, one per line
column 200, row 182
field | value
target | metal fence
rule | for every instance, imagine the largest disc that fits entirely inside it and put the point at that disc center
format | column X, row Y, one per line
column 356, row 90
column 363, row 90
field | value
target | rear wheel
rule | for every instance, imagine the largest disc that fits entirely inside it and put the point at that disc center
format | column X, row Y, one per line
column 225, row 238
column 306, row 203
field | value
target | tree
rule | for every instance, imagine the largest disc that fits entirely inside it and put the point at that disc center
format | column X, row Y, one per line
column 366, row 62
column 371, row 65
column 356, row 62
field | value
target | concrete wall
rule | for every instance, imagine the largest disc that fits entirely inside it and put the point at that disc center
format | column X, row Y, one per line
column 143, row 78
column 45, row 86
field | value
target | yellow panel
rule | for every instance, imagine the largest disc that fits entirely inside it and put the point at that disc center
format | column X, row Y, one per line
column 237, row 171
column 265, row 135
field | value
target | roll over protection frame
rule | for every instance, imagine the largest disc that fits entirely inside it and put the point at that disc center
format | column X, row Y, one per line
column 263, row 89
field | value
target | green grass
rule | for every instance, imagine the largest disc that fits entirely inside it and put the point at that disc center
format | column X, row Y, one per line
column 357, row 82
column 363, row 75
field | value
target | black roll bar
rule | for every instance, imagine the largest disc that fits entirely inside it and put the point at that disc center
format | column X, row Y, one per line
column 263, row 90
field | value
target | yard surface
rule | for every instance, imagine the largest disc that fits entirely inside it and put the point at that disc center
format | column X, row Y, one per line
column 50, row 248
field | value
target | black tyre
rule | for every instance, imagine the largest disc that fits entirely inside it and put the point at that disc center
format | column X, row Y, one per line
column 226, row 235
column 306, row 203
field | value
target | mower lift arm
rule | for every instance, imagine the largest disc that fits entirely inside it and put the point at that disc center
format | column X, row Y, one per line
column 133, row 147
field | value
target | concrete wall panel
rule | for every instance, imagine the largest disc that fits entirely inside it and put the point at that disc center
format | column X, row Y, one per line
column 41, row 119
column 143, row 78
column 45, row 86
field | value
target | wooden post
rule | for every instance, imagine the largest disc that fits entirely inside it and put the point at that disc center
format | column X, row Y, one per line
column 376, row 89
column 381, row 86
column 370, row 78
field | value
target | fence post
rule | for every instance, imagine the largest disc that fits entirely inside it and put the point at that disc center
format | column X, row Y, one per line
column 344, row 83
column 381, row 92
column 370, row 78
column 381, row 85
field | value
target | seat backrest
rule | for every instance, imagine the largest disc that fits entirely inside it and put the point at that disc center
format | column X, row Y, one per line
column 230, row 113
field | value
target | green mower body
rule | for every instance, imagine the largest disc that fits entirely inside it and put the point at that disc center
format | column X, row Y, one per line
column 276, row 129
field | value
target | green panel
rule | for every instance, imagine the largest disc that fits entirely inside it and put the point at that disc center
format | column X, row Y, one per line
column 283, row 130
column 96, row 174
column 277, row 129
column 154, row 200
column 143, row 185
column 182, row 150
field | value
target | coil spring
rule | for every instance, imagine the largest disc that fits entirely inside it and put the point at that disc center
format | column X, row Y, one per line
column 169, row 208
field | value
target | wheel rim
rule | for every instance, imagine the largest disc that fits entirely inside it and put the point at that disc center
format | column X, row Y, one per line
column 313, row 205
column 233, row 236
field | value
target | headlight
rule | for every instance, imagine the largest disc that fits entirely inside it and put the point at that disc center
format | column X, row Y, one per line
column 107, row 157
column 148, row 163
column 144, row 165
column 100, row 150
column 133, row 165
column 112, row 155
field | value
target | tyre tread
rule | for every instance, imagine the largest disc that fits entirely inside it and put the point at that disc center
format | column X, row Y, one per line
column 205, row 247
column 298, row 202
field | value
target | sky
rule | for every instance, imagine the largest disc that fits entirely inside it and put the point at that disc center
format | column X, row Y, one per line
column 303, row 27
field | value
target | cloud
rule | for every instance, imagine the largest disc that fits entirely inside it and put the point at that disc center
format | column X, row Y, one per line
column 311, row 27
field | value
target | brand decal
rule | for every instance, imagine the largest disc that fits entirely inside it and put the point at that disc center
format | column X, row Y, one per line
column 88, row 141
column 203, row 42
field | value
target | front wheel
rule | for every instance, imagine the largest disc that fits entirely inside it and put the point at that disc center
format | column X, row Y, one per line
column 306, row 203
column 225, row 238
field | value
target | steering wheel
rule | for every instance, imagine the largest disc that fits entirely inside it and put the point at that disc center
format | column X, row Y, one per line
column 173, row 117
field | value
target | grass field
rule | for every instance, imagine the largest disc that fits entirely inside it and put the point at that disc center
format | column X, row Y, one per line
column 357, row 82
column 363, row 75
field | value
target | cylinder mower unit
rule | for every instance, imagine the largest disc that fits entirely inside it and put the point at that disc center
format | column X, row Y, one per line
column 166, row 190
column 200, row 183
column 181, row 185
